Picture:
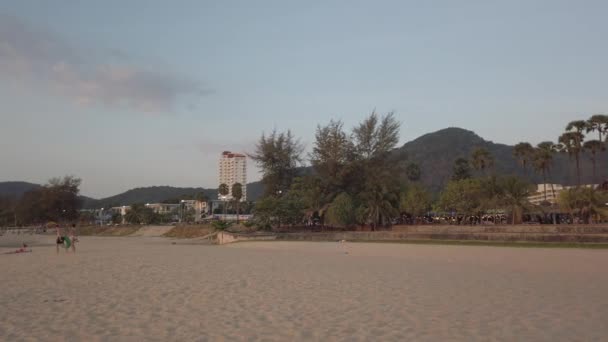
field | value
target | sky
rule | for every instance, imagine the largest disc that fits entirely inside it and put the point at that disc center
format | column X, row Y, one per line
column 131, row 93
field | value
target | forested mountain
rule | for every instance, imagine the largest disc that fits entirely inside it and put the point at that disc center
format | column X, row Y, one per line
column 155, row 194
column 436, row 152
column 15, row 189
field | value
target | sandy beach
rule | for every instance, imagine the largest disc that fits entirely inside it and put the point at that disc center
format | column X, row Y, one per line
column 146, row 288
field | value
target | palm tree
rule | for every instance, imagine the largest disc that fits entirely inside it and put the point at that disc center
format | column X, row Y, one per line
column 594, row 147
column 524, row 153
column 223, row 190
column 481, row 159
column 378, row 205
column 237, row 194
column 598, row 123
column 543, row 160
column 571, row 142
column 584, row 202
column 514, row 195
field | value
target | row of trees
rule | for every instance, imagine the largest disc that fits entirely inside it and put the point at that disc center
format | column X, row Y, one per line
column 357, row 178
column 574, row 142
column 57, row 201
column 237, row 194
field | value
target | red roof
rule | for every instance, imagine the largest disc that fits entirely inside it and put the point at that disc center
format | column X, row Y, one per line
column 229, row 154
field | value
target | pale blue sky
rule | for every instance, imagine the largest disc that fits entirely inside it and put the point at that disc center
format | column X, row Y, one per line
column 136, row 93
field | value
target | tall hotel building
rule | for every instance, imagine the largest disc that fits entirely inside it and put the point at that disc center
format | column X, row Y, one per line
column 233, row 169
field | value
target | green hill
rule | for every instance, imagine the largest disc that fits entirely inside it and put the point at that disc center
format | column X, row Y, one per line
column 15, row 189
column 155, row 194
column 436, row 153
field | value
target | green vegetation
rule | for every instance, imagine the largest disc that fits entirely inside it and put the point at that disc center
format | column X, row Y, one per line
column 221, row 225
column 56, row 201
column 584, row 203
column 237, row 194
column 358, row 177
column 353, row 182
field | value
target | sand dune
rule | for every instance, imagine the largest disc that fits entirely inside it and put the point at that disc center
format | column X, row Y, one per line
column 145, row 288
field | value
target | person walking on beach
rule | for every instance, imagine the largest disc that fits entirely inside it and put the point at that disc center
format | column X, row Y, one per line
column 60, row 239
column 73, row 238
column 64, row 240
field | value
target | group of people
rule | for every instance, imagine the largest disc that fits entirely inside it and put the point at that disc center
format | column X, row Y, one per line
column 68, row 241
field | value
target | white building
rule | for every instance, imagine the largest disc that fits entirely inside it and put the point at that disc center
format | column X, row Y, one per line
column 163, row 208
column 233, row 169
column 552, row 192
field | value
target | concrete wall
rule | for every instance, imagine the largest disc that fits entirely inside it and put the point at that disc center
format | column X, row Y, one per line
column 515, row 233
column 524, row 229
column 522, row 233
column 223, row 238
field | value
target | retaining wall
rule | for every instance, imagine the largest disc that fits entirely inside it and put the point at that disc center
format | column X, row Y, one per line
column 518, row 233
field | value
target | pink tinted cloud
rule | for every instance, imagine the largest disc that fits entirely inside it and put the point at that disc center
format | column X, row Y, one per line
column 32, row 56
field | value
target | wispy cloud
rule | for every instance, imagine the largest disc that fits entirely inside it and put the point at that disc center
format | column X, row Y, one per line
column 32, row 56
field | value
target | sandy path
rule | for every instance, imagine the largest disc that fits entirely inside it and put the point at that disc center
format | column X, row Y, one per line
column 127, row 289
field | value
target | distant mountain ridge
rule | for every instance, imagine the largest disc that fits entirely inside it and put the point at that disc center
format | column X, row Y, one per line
column 435, row 153
column 16, row 189
column 152, row 194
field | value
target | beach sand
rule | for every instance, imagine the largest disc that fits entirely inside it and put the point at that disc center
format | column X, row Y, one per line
column 146, row 288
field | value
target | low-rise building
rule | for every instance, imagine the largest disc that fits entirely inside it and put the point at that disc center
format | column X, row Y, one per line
column 550, row 192
column 163, row 208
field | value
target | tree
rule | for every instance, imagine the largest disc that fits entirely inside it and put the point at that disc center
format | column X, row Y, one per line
column 412, row 172
column 341, row 212
column 332, row 150
column 314, row 195
column 594, row 147
column 376, row 136
column 583, row 202
column 116, row 218
column 56, row 201
column 237, row 194
column 543, row 160
column 278, row 155
column 481, row 159
column 514, row 195
column 598, row 123
column 461, row 169
column 380, row 200
column 523, row 153
column 274, row 211
column 140, row 214
column 201, row 197
column 7, row 211
column 374, row 182
column 265, row 212
column 223, row 191
column 491, row 192
column 572, row 144
column 463, row 197
column 415, row 201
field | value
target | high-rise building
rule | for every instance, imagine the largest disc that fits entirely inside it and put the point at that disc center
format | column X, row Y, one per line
column 233, row 169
